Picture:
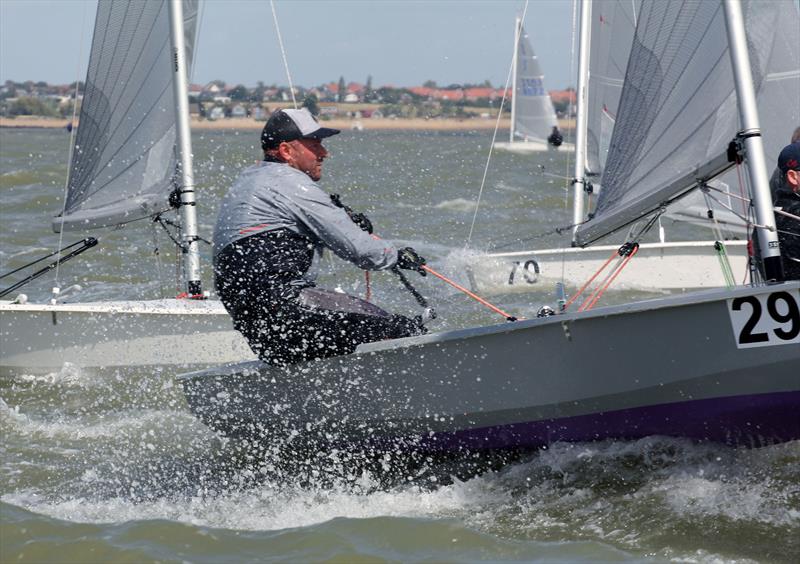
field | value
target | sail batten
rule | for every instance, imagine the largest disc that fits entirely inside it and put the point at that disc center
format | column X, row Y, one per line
column 677, row 110
column 124, row 158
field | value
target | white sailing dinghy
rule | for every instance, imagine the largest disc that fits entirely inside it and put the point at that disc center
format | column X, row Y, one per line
column 664, row 266
column 132, row 151
column 532, row 114
column 717, row 365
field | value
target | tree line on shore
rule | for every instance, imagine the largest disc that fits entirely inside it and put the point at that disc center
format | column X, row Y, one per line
column 31, row 98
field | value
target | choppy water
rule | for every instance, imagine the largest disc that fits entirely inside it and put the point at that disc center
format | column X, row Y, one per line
column 113, row 467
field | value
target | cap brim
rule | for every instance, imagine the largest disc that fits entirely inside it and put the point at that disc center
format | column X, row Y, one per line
column 322, row 133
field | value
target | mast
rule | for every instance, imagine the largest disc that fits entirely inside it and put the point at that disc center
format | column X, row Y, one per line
column 185, row 176
column 579, row 182
column 517, row 29
column 754, row 147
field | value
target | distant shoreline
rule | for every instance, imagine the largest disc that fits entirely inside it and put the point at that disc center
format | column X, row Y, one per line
column 33, row 122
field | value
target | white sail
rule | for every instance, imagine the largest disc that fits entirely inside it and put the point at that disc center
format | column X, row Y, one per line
column 124, row 158
column 613, row 24
column 677, row 111
column 534, row 116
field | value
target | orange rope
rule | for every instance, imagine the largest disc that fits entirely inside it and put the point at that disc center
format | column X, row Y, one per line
column 610, row 280
column 596, row 274
column 470, row 294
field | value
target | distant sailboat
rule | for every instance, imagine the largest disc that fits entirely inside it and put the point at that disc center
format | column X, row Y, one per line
column 532, row 114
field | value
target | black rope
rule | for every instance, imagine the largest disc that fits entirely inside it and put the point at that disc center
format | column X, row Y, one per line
column 88, row 243
column 417, row 296
column 81, row 242
column 556, row 231
column 164, row 222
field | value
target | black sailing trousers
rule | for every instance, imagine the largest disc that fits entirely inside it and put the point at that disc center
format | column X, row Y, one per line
column 286, row 322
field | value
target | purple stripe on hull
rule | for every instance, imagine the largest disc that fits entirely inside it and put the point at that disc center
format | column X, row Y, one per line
column 752, row 420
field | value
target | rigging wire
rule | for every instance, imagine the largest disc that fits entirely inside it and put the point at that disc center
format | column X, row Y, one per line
column 283, row 52
column 71, row 147
column 567, row 178
column 494, row 138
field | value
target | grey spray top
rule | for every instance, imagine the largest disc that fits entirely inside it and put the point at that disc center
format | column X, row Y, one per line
column 270, row 196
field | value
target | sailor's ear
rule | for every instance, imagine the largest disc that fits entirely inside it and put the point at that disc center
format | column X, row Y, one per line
column 285, row 151
column 793, row 177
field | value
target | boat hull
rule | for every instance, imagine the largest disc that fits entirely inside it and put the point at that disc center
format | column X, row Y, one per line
column 664, row 367
column 40, row 338
column 656, row 267
column 528, row 147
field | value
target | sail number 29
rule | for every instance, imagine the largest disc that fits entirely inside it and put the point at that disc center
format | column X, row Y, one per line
column 765, row 320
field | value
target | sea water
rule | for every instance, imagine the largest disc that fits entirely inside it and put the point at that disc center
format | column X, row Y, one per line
column 111, row 466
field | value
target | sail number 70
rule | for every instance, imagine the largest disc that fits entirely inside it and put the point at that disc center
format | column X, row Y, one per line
column 765, row 320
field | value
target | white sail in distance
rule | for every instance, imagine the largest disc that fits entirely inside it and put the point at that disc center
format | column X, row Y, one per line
column 534, row 116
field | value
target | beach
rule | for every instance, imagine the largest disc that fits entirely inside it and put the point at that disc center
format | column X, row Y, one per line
column 382, row 124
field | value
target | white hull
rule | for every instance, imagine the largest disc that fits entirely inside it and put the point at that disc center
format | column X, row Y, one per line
column 656, row 267
column 527, row 147
column 38, row 338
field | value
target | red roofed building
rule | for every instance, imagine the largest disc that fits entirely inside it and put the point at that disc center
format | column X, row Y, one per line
column 562, row 96
column 473, row 94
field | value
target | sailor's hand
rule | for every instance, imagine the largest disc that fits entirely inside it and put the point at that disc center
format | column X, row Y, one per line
column 408, row 259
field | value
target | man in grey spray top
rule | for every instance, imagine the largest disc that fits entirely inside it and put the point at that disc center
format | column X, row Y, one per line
column 272, row 228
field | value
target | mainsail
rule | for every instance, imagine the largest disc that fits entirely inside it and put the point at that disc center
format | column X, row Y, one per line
column 534, row 116
column 677, row 112
column 612, row 27
column 124, row 159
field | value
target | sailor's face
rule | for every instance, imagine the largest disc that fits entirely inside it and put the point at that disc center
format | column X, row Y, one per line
column 307, row 156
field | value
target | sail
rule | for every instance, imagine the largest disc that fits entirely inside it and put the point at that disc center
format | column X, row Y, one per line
column 534, row 116
column 613, row 24
column 124, row 158
column 678, row 111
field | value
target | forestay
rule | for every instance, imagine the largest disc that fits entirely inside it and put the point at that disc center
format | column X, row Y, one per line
column 677, row 111
column 534, row 113
column 124, row 157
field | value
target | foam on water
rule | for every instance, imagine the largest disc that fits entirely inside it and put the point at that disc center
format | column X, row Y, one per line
column 457, row 204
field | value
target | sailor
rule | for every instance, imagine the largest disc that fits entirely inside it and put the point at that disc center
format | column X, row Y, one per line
column 776, row 180
column 787, row 199
column 555, row 139
column 273, row 226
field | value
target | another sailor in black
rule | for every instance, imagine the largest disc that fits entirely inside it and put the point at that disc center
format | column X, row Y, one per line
column 788, row 201
column 555, row 139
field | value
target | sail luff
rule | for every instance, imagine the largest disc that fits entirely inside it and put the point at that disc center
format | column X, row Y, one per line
column 754, row 149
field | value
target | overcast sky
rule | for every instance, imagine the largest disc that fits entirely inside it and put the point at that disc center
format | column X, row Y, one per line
column 401, row 43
